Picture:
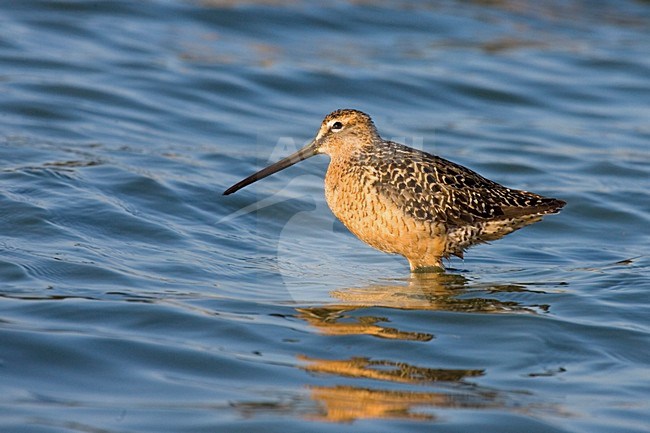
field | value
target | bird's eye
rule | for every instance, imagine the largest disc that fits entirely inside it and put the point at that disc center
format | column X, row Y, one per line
column 337, row 126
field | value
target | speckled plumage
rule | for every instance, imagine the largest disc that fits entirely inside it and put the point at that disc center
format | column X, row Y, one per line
column 405, row 201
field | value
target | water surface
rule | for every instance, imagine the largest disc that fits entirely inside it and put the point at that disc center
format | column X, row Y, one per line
column 135, row 297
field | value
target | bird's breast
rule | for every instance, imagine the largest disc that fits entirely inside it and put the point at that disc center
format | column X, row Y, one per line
column 353, row 194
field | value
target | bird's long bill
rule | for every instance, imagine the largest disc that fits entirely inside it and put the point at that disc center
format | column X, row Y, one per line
column 310, row 150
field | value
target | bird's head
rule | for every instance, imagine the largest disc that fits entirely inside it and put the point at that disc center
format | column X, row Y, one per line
column 341, row 133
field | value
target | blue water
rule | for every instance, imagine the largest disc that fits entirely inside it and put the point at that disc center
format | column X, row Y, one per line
column 135, row 297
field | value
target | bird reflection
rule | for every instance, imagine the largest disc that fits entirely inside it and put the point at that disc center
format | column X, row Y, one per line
column 362, row 367
column 336, row 320
column 449, row 388
column 348, row 403
column 434, row 292
column 359, row 386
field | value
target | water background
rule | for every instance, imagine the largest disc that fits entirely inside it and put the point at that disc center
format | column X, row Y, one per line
column 135, row 297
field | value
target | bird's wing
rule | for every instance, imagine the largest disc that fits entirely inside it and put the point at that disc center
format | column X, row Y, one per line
column 431, row 188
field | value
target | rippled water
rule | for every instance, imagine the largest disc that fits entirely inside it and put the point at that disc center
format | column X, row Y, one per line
column 135, row 297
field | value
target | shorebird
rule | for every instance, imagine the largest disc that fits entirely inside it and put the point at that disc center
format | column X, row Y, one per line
column 404, row 201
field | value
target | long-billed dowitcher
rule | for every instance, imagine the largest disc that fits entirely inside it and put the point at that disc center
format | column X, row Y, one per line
column 405, row 201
